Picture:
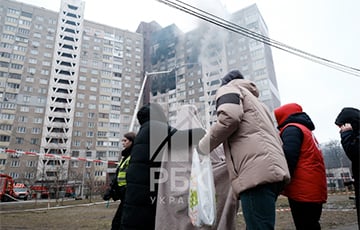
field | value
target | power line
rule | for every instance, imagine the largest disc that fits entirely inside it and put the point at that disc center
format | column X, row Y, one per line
column 187, row 8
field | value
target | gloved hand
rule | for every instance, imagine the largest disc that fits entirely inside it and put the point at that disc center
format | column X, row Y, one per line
column 107, row 194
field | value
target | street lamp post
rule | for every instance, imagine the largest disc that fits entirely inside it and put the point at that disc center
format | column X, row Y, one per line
column 143, row 86
column 141, row 94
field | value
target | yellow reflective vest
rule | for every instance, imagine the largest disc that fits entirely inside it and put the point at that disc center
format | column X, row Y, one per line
column 121, row 177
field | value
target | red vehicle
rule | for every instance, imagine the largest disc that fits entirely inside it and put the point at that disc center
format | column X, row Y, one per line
column 69, row 191
column 39, row 189
column 6, row 188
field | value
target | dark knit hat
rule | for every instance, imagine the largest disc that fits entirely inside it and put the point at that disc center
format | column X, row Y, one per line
column 349, row 115
column 151, row 111
column 233, row 74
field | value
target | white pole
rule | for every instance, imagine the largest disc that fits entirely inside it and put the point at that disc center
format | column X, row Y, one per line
column 131, row 129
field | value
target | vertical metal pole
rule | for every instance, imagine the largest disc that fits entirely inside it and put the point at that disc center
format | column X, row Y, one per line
column 131, row 129
column 83, row 181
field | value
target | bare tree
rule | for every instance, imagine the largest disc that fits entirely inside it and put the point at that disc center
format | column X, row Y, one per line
column 334, row 155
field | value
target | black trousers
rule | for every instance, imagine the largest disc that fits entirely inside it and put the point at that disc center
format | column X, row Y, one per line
column 116, row 222
column 306, row 215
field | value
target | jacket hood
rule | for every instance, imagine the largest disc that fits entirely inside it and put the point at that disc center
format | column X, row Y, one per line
column 292, row 113
column 349, row 115
column 151, row 111
column 247, row 84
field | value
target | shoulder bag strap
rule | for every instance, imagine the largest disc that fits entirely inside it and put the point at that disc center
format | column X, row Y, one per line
column 162, row 144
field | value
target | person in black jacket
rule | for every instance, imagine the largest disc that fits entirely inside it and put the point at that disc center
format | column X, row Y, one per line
column 143, row 174
column 118, row 184
column 348, row 121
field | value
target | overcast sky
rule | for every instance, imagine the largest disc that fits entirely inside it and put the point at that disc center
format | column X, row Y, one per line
column 326, row 28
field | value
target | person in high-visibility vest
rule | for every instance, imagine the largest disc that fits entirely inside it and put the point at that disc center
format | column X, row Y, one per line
column 118, row 184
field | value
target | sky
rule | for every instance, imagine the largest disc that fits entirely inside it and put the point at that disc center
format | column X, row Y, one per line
column 325, row 28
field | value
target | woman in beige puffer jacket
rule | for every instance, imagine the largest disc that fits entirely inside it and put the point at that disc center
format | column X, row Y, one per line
column 253, row 149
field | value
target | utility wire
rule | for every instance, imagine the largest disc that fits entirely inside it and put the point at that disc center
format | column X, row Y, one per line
column 187, row 8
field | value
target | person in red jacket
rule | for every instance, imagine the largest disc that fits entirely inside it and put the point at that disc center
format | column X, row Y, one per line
column 307, row 191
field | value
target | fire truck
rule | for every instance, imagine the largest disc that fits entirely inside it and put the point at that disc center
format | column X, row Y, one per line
column 6, row 188
column 39, row 191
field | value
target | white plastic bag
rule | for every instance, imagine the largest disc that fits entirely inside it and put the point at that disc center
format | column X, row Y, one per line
column 202, row 203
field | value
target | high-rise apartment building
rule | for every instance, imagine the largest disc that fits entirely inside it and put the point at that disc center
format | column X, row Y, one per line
column 253, row 58
column 214, row 51
column 67, row 87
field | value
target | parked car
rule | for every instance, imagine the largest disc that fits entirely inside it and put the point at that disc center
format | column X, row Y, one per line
column 21, row 192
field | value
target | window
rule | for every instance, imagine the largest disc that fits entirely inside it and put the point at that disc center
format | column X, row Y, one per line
column 37, row 120
column 35, row 130
column 22, row 119
column 77, row 143
column 39, row 110
column 33, row 61
column 77, row 133
column 98, row 173
column 29, row 175
column 101, row 134
column 15, row 163
column 79, row 114
column 19, row 140
column 46, row 63
column 41, row 100
column 81, row 96
column 31, row 164
column 75, row 153
column 44, row 81
column 113, row 154
column 89, row 144
column 21, row 129
column 5, row 127
column 92, row 106
column 14, row 175
column 24, row 109
column 4, row 138
column 34, row 141
column 77, row 124
column 42, row 91
column 80, row 105
column 89, row 134
column 75, row 164
column 44, row 72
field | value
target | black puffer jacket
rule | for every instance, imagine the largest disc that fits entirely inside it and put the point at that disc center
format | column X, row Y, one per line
column 142, row 175
column 350, row 140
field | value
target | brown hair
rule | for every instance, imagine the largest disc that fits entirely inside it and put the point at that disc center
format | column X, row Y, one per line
column 130, row 136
